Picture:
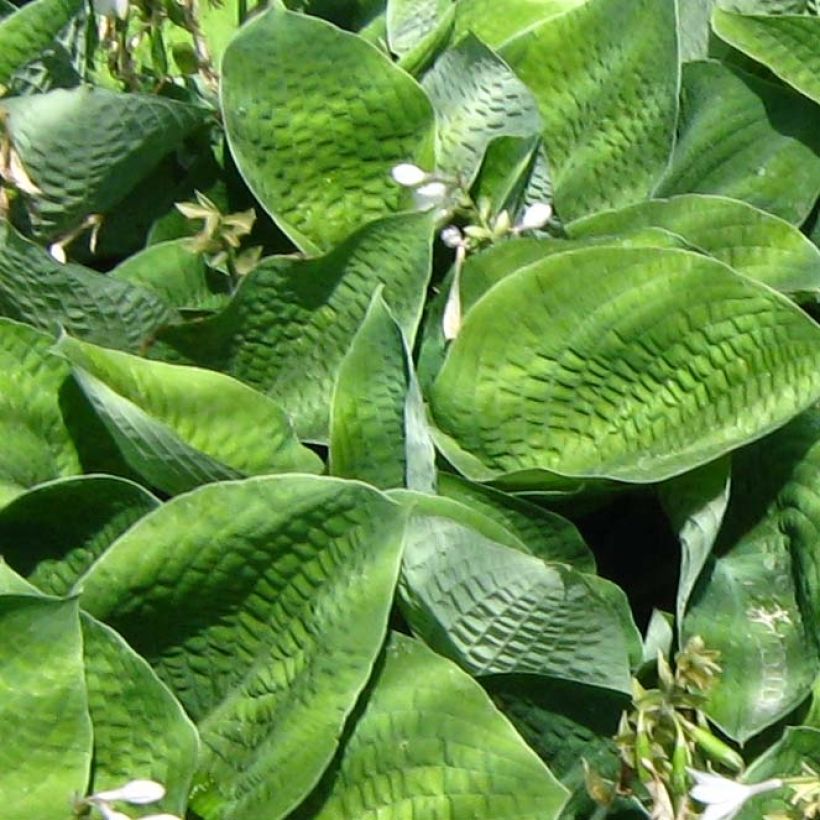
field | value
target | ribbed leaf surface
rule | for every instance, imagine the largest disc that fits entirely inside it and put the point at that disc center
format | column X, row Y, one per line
column 758, row 599
column 36, row 289
column 745, row 138
column 608, row 96
column 263, row 605
column 36, row 444
column 181, row 426
column 46, row 751
column 292, row 321
column 438, row 748
column 86, row 148
column 316, row 118
column 494, row 609
column 624, row 363
column 749, row 240
column 788, row 44
column 53, row 550
column 140, row 729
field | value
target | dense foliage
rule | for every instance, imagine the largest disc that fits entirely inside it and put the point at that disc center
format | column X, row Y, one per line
column 343, row 342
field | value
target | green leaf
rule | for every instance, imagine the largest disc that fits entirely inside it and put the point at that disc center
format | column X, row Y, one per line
column 36, row 289
column 53, row 548
column 799, row 745
column 410, row 22
column 608, row 99
column 437, row 748
column 176, row 275
column 263, row 605
column 762, row 582
column 695, row 503
column 292, row 321
column 694, row 29
column 749, row 240
column 787, row 44
column 477, row 99
column 495, row 609
column 632, row 364
column 545, row 534
column 378, row 430
column 140, row 730
column 181, row 426
column 745, row 138
column 46, row 750
column 30, row 30
column 86, row 148
column 37, row 446
column 317, row 150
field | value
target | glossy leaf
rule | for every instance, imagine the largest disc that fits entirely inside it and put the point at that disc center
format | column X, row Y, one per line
column 745, row 138
column 747, row 239
column 410, row 22
column 316, row 147
column 36, row 289
column 763, row 580
column 546, row 534
column 477, row 99
column 496, row 610
column 378, row 430
column 37, row 445
column 46, row 751
column 29, row 30
column 788, row 44
column 609, row 103
column 176, row 274
column 86, row 148
column 696, row 503
column 181, row 426
column 140, row 730
column 624, row 363
column 291, row 322
column 438, row 748
column 262, row 604
column 53, row 551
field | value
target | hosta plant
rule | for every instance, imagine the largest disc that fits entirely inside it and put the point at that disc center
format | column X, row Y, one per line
column 409, row 409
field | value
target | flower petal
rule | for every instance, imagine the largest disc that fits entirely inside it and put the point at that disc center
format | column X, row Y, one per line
column 407, row 174
column 138, row 792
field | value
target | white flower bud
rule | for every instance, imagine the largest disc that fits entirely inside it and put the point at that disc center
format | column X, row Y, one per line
column 407, row 174
column 452, row 237
column 430, row 195
column 535, row 216
column 111, row 8
column 138, row 792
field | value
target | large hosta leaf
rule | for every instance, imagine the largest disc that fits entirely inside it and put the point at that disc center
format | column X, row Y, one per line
column 608, row 98
column 758, row 600
column 747, row 239
column 788, row 44
column 494, row 609
column 748, row 139
column 36, row 289
column 624, row 363
column 316, row 118
column 477, row 99
column 292, row 321
column 436, row 748
column 86, row 148
column 30, row 30
column 140, row 729
column 262, row 604
column 181, row 426
column 377, row 429
column 46, row 751
column 37, row 446
column 53, row 550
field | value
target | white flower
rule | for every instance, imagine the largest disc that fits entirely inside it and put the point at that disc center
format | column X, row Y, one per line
column 111, row 8
column 723, row 797
column 429, row 195
column 138, row 792
column 535, row 216
column 405, row 173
